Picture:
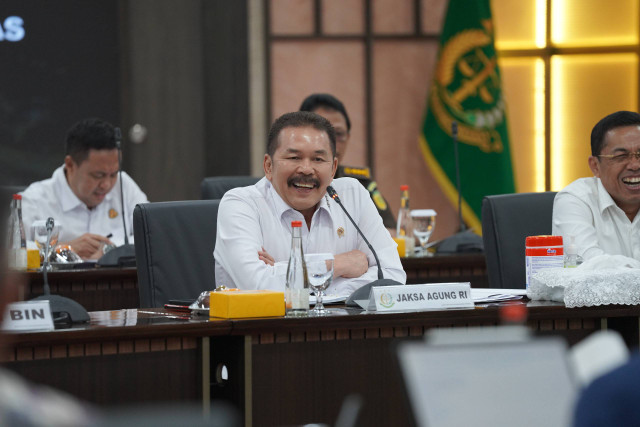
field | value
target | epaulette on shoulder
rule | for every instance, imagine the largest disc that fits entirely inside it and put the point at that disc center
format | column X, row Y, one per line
column 356, row 172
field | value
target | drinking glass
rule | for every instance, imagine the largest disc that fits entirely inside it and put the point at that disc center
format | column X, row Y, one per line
column 320, row 275
column 39, row 229
column 424, row 221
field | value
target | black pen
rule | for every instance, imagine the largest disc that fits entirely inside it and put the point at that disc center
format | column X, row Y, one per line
column 108, row 236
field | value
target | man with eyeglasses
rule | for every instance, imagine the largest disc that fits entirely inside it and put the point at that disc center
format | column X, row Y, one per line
column 333, row 110
column 601, row 212
column 253, row 239
column 83, row 195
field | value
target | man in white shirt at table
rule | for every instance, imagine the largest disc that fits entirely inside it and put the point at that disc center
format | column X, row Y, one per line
column 601, row 212
column 83, row 195
column 253, row 240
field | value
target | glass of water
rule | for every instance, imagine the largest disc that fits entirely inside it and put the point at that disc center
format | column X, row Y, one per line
column 424, row 221
column 320, row 275
column 39, row 231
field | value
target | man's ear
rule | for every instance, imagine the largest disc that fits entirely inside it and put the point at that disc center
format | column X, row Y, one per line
column 268, row 166
column 594, row 165
column 69, row 164
column 335, row 167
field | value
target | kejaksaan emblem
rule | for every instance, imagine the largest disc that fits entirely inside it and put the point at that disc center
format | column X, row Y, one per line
column 467, row 89
column 386, row 300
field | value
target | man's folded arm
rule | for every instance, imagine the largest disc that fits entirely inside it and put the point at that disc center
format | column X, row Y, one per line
column 393, row 272
column 239, row 238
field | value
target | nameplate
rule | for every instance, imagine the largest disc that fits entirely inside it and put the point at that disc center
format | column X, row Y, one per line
column 432, row 296
column 28, row 316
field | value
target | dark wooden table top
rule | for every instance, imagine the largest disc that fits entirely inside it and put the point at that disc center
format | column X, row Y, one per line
column 133, row 323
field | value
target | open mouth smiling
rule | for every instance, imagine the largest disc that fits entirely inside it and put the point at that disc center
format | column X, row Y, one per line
column 631, row 181
column 303, row 183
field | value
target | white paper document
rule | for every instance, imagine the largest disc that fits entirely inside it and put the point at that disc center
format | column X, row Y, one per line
column 486, row 295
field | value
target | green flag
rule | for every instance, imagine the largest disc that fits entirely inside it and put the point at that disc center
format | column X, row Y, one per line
column 466, row 89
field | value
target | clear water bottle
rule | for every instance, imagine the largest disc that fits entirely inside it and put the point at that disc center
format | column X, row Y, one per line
column 296, row 295
column 17, row 238
column 404, row 227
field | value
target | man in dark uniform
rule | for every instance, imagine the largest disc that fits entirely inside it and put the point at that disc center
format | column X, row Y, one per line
column 333, row 110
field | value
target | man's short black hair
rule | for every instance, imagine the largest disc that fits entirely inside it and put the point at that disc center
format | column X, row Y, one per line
column 612, row 121
column 300, row 119
column 89, row 134
column 324, row 100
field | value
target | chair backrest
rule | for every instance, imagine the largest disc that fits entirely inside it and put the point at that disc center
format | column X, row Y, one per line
column 507, row 220
column 174, row 244
column 214, row 187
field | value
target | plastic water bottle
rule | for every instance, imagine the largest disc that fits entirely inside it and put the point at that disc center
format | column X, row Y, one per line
column 17, row 238
column 296, row 295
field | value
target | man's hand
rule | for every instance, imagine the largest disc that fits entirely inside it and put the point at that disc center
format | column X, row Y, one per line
column 265, row 257
column 89, row 246
column 350, row 264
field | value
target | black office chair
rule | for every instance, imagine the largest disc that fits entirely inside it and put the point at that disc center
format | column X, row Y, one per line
column 507, row 220
column 174, row 249
column 214, row 187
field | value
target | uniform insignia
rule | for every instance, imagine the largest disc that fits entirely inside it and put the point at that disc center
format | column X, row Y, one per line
column 381, row 204
column 113, row 213
column 340, row 231
column 350, row 171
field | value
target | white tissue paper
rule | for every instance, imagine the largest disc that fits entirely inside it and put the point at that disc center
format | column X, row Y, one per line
column 602, row 280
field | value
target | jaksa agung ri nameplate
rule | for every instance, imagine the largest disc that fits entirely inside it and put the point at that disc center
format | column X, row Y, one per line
column 432, row 296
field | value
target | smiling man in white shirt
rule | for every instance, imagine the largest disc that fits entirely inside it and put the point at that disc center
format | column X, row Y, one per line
column 253, row 239
column 601, row 212
column 83, row 195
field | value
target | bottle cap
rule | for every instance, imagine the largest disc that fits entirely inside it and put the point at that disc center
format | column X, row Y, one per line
column 296, row 223
column 513, row 313
column 404, row 187
column 17, row 197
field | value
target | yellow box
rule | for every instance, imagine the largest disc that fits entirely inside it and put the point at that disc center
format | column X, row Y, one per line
column 236, row 303
column 33, row 259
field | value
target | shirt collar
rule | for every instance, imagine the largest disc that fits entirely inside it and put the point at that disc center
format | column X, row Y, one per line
column 604, row 198
column 68, row 199
column 280, row 206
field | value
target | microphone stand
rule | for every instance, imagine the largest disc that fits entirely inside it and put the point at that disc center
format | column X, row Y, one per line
column 363, row 292
column 124, row 255
column 465, row 240
column 63, row 310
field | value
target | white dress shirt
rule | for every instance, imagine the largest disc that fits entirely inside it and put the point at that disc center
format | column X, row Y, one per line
column 584, row 209
column 253, row 217
column 54, row 198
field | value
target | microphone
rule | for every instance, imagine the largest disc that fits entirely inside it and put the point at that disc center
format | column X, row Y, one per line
column 124, row 255
column 464, row 240
column 63, row 310
column 364, row 291
column 45, row 264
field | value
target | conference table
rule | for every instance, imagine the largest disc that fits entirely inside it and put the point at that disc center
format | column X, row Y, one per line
column 281, row 371
column 99, row 289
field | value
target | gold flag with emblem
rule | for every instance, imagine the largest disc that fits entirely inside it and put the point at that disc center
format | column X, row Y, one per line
column 466, row 89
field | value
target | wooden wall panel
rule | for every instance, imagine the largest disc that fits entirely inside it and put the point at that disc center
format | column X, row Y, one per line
column 299, row 68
